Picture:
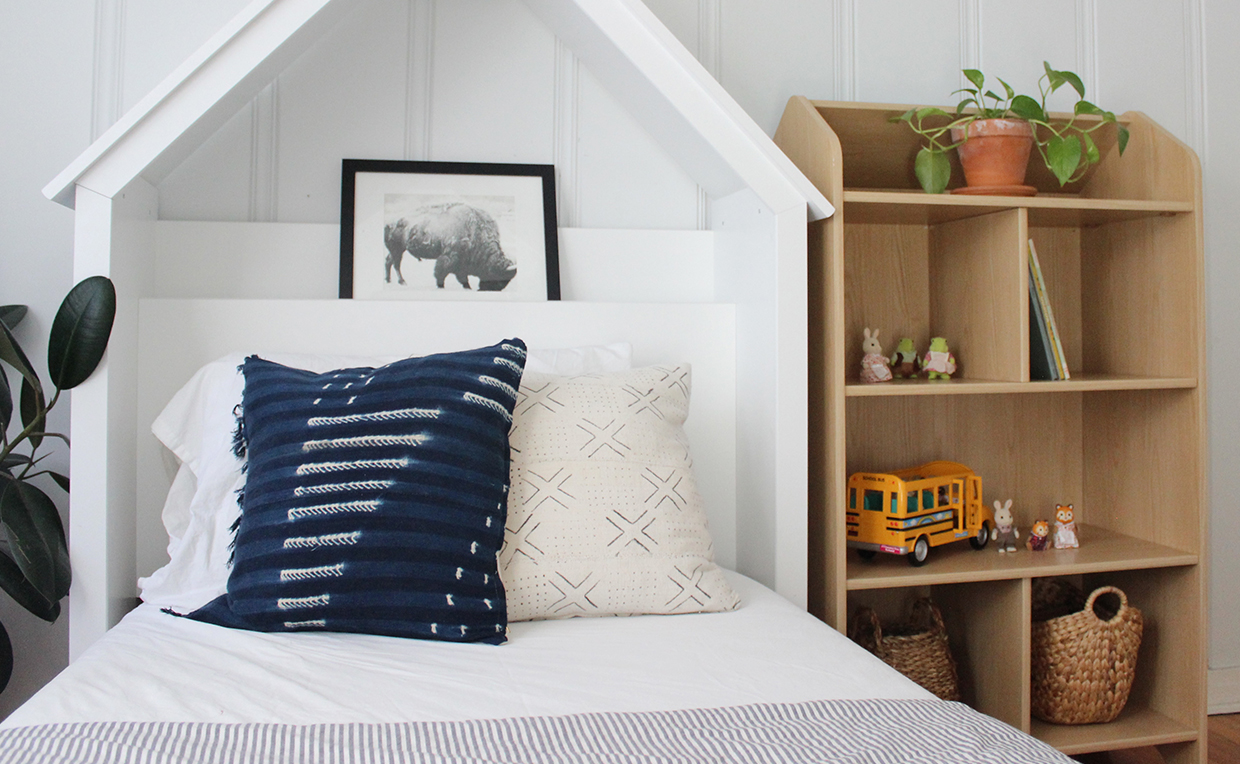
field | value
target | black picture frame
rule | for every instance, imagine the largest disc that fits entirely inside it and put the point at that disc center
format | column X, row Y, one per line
column 424, row 207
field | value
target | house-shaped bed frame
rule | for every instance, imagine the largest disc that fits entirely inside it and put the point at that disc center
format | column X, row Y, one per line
column 745, row 333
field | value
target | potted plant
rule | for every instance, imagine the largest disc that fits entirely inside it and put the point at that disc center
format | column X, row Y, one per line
column 994, row 135
column 34, row 566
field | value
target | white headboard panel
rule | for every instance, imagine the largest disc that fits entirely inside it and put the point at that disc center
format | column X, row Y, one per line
column 177, row 336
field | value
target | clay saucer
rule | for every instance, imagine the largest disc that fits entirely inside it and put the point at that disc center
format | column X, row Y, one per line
column 996, row 190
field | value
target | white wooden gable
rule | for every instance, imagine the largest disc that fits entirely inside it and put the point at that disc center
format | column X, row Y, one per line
column 626, row 47
column 735, row 302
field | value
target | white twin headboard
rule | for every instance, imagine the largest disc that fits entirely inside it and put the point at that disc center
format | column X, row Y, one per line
column 177, row 336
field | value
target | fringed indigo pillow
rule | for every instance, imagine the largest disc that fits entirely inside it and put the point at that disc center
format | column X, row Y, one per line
column 374, row 499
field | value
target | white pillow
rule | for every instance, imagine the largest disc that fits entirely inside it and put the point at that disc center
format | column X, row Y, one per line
column 604, row 515
column 197, row 425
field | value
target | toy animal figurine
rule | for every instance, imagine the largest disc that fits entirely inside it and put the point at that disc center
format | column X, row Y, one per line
column 1005, row 528
column 1039, row 535
column 938, row 362
column 904, row 360
column 1065, row 527
column 874, row 366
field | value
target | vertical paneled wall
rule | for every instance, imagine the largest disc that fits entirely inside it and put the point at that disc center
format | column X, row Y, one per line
column 483, row 80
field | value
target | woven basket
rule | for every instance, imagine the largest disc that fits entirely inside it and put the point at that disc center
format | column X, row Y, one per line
column 1083, row 663
column 917, row 649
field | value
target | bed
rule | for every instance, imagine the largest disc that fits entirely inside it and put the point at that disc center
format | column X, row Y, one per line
column 714, row 667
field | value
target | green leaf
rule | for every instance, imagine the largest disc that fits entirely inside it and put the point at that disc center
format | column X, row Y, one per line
column 1075, row 82
column 1026, row 108
column 80, row 332
column 994, row 95
column 960, row 107
column 6, row 401
column 931, row 111
column 1123, row 139
column 1091, row 149
column 14, row 582
column 905, row 117
column 1062, row 156
column 33, row 408
column 6, row 658
column 36, row 537
column 976, row 77
column 61, row 480
column 1085, row 107
column 12, row 315
column 11, row 353
column 14, row 460
column 933, row 170
column 1008, row 89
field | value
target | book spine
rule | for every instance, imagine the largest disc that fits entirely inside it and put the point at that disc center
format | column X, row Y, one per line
column 1052, row 329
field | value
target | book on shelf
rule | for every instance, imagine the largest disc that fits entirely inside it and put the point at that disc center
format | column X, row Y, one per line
column 1038, row 285
column 1041, row 360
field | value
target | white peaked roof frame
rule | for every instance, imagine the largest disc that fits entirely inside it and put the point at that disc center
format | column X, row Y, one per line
column 625, row 46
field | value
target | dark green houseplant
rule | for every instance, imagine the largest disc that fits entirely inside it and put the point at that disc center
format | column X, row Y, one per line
column 34, row 555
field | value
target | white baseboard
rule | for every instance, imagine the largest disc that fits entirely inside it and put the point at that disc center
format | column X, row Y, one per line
column 1224, row 691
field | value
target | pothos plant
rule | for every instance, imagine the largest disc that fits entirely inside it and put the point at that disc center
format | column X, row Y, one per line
column 1066, row 147
column 34, row 555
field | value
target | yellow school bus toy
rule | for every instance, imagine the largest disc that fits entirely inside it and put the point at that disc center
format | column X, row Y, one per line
column 908, row 511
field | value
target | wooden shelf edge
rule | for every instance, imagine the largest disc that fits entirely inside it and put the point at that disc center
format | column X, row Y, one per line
column 1135, row 728
column 1080, row 383
column 1066, row 202
column 1102, row 551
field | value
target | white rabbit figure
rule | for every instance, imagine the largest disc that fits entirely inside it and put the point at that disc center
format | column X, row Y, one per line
column 1005, row 527
column 874, row 365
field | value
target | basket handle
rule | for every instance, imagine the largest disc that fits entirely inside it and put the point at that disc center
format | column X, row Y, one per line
column 866, row 630
column 925, row 611
column 1101, row 590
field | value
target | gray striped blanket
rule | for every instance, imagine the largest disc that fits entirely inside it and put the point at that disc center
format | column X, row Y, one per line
column 870, row 731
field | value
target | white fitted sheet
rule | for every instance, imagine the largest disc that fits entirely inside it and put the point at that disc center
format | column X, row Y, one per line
column 154, row 667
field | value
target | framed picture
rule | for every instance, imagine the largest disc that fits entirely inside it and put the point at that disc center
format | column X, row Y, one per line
column 448, row 231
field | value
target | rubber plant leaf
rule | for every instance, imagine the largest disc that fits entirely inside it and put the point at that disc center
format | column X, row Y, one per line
column 80, row 332
column 933, row 170
column 1063, row 155
column 6, row 658
column 36, row 537
column 12, row 315
column 33, row 409
column 14, row 583
column 6, row 402
column 11, row 353
column 61, row 480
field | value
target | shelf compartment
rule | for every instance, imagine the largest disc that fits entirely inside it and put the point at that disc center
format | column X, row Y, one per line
column 1101, row 551
column 1135, row 728
column 1080, row 382
column 919, row 208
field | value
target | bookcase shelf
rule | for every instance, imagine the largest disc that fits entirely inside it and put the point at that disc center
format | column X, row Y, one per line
column 1122, row 439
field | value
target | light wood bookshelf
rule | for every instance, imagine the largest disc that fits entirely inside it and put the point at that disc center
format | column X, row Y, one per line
column 1123, row 439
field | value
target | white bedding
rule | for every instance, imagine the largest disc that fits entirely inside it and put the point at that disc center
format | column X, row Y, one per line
column 155, row 667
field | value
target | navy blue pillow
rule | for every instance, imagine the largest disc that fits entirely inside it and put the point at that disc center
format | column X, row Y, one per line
column 375, row 499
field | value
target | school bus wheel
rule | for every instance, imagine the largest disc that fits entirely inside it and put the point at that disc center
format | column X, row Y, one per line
column 921, row 550
column 983, row 536
column 866, row 554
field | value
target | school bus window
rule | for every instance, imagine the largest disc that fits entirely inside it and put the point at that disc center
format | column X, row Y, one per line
column 873, row 500
column 912, row 502
column 852, row 499
column 927, row 499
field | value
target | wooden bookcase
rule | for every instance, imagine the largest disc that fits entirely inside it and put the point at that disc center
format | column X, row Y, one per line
column 1123, row 439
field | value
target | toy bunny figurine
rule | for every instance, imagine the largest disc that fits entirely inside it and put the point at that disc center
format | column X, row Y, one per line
column 938, row 363
column 904, row 360
column 1065, row 527
column 1039, row 535
column 1005, row 528
column 874, row 366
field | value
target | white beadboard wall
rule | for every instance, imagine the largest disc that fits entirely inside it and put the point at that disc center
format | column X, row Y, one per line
column 483, row 80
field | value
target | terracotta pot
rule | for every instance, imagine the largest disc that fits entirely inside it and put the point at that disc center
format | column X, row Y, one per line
column 997, row 152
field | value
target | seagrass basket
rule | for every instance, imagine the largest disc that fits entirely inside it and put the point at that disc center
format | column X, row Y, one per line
column 1083, row 662
column 917, row 648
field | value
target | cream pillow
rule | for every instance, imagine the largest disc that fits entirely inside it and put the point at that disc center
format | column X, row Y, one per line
column 604, row 516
